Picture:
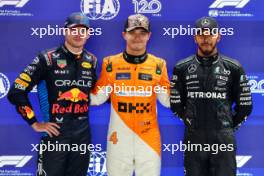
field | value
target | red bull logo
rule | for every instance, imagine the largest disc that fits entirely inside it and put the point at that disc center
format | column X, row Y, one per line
column 72, row 108
column 74, row 95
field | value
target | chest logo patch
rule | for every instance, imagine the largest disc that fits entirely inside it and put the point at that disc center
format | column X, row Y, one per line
column 192, row 68
column 61, row 63
column 123, row 76
column 86, row 65
column 145, row 76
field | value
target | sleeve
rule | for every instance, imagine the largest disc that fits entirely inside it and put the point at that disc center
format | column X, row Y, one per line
column 177, row 100
column 18, row 94
column 102, row 88
column 164, row 95
column 242, row 98
column 95, row 64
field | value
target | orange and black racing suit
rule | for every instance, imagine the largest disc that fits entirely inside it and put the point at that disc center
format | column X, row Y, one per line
column 135, row 83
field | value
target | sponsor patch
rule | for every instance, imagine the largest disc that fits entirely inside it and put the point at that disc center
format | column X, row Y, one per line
column 123, row 76
column 61, row 63
column 21, row 83
column 26, row 111
column 221, row 83
column 86, row 65
column 145, row 76
column 25, row 77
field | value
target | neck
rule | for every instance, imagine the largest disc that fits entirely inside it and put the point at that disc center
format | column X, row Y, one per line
column 72, row 49
column 200, row 53
column 135, row 53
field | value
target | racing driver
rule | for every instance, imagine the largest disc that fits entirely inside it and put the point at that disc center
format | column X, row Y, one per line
column 64, row 76
column 204, row 88
column 133, row 142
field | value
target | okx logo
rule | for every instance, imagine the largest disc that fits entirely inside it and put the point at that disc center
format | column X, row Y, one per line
column 100, row 9
column 143, row 6
column 233, row 3
column 4, row 85
column 17, row 3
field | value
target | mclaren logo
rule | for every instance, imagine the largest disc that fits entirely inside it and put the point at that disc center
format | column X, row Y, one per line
column 233, row 3
column 17, row 3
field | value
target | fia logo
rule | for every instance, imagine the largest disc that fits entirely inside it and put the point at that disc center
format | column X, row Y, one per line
column 97, row 165
column 143, row 6
column 4, row 85
column 234, row 3
column 100, row 9
column 16, row 3
column 213, row 13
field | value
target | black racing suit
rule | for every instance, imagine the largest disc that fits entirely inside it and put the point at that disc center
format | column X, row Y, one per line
column 203, row 91
column 64, row 81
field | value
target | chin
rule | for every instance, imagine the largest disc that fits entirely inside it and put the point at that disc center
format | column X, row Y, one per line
column 138, row 48
column 78, row 44
column 208, row 52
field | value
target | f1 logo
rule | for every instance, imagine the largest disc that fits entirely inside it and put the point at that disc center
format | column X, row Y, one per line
column 17, row 3
column 242, row 160
column 222, row 3
column 17, row 161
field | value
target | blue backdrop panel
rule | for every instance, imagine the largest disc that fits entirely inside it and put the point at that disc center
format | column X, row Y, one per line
column 20, row 44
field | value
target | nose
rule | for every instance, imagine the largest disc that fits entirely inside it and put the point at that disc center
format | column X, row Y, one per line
column 137, row 37
column 206, row 38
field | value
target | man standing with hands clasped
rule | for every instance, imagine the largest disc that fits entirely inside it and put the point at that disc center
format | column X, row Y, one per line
column 204, row 88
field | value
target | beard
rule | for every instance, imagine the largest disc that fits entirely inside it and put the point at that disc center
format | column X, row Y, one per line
column 208, row 52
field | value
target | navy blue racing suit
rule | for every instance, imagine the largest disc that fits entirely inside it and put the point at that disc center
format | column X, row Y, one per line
column 64, row 81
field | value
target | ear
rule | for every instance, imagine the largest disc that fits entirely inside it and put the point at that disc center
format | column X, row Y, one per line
column 218, row 38
column 149, row 35
column 88, row 33
column 66, row 31
column 87, row 36
column 194, row 38
column 124, row 35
